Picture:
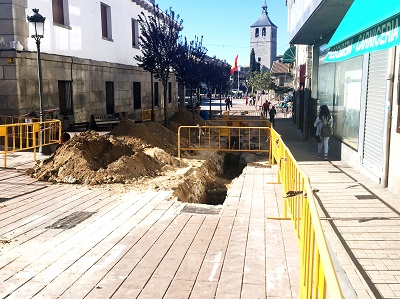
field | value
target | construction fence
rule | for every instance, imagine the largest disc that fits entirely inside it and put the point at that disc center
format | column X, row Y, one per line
column 26, row 134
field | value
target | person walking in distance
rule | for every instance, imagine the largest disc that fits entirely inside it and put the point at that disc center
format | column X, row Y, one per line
column 323, row 125
column 266, row 108
column 272, row 113
column 227, row 103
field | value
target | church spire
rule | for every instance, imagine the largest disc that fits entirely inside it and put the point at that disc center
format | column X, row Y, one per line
column 264, row 19
column 264, row 7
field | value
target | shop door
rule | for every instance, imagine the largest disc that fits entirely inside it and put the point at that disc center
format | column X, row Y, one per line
column 374, row 141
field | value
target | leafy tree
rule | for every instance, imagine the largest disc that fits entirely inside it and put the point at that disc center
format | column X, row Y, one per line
column 159, row 45
column 188, row 63
column 261, row 81
column 216, row 75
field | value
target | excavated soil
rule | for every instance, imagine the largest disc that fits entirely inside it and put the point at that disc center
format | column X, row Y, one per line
column 137, row 156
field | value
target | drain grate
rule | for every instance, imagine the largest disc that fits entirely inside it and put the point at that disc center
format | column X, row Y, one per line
column 204, row 209
column 335, row 171
column 71, row 220
column 368, row 196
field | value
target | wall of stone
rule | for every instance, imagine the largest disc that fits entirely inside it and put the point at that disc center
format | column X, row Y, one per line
column 19, row 91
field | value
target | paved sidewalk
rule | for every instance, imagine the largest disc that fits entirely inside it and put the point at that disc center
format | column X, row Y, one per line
column 361, row 219
column 143, row 245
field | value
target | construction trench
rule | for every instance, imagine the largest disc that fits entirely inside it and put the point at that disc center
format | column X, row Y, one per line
column 143, row 156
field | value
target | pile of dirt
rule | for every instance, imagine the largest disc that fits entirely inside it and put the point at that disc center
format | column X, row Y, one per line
column 131, row 152
column 136, row 156
column 90, row 158
column 185, row 118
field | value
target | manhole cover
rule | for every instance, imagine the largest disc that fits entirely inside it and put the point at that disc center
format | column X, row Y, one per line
column 199, row 209
column 71, row 220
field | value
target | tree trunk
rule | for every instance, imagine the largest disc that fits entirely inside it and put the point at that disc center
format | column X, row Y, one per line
column 165, row 83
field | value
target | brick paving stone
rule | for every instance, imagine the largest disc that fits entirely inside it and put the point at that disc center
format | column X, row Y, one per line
column 142, row 245
column 204, row 290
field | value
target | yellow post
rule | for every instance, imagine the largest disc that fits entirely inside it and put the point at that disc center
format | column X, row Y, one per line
column 36, row 128
column 3, row 133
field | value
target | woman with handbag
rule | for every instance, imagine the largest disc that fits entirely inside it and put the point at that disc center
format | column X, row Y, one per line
column 323, row 125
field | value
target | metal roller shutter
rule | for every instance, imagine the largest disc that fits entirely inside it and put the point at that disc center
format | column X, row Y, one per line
column 375, row 113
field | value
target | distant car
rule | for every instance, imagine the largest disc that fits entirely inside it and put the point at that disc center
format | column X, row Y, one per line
column 237, row 93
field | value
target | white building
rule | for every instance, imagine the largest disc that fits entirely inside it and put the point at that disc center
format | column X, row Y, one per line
column 88, row 63
column 359, row 84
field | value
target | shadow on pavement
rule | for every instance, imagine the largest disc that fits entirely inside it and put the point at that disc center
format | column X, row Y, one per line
column 304, row 150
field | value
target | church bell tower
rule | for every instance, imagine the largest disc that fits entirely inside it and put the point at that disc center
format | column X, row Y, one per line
column 263, row 37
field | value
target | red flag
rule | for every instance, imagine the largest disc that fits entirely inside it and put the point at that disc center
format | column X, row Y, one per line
column 235, row 65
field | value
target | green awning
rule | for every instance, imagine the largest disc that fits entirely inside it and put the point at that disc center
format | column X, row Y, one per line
column 290, row 55
column 369, row 25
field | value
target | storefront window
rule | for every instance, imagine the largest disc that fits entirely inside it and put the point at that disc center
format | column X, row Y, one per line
column 326, row 85
column 348, row 99
column 339, row 87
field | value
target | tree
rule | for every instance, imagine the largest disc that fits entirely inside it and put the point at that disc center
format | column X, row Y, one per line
column 254, row 66
column 159, row 45
column 188, row 63
column 261, row 81
column 216, row 75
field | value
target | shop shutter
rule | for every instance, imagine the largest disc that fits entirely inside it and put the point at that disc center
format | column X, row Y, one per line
column 375, row 113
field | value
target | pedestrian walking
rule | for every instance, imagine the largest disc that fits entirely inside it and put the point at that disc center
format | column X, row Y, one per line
column 272, row 113
column 265, row 107
column 323, row 125
column 227, row 103
column 247, row 101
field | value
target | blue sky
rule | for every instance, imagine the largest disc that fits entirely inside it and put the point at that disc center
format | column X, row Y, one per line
column 225, row 24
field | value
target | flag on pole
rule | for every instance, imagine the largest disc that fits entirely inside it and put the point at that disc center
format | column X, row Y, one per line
column 235, row 65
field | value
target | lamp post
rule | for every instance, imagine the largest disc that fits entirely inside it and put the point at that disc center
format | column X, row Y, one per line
column 36, row 22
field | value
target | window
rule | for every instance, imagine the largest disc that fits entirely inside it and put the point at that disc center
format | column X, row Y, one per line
column 155, row 93
column 257, row 32
column 110, row 97
column 65, row 97
column 339, row 87
column 264, row 32
column 105, row 21
column 259, row 59
column 137, row 98
column 60, row 12
column 169, row 92
column 135, row 34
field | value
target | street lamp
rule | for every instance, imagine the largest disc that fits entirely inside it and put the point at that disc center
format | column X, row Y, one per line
column 36, row 22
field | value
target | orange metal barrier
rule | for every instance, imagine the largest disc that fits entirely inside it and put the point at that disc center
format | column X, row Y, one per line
column 244, row 112
column 223, row 138
column 23, row 136
column 7, row 120
column 317, row 274
column 239, row 121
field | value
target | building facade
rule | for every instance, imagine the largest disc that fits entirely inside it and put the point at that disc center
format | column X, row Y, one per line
column 87, row 55
column 263, row 37
column 362, row 92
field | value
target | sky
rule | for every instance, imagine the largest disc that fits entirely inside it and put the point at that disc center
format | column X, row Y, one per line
column 225, row 24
